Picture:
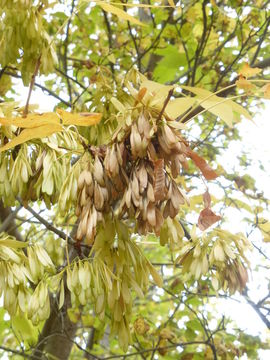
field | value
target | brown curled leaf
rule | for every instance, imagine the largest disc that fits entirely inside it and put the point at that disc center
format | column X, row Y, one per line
column 207, row 199
column 206, row 170
column 207, row 218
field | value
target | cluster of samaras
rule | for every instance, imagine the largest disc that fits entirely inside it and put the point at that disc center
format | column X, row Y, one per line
column 135, row 178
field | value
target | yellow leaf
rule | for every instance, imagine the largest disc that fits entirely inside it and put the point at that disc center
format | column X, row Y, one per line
column 266, row 90
column 217, row 105
column 13, row 243
column 32, row 120
column 119, row 13
column 159, row 91
column 248, row 71
column 29, row 134
column 179, row 106
column 80, row 119
column 50, row 118
column 155, row 275
column 244, row 84
column 264, row 226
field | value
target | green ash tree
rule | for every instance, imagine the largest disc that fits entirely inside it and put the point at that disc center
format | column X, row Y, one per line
column 115, row 238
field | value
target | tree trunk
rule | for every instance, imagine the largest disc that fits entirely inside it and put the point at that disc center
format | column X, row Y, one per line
column 58, row 332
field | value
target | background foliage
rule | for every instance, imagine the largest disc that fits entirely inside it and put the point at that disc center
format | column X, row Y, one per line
column 91, row 267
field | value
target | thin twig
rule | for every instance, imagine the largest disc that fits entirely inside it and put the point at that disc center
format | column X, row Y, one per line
column 32, row 83
column 9, row 219
column 165, row 104
column 52, row 228
column 43, row 88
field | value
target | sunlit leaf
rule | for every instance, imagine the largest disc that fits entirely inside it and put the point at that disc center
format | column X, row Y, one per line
column 15, row 244
column 155, row 275
column 159, row 91
column 80, row 119
column 248, row 71
column 29, row 134
column 179, row 106
column 32, row 120
column 264, row 226
column 121, row 14
column 219, row 106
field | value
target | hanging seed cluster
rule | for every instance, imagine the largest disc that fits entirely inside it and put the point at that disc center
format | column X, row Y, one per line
column 134, row 178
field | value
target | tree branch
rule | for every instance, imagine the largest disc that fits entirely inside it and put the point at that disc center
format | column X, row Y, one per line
column 43, row 88
column 7, row 217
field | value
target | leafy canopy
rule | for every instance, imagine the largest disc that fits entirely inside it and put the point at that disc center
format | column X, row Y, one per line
column 112, row 220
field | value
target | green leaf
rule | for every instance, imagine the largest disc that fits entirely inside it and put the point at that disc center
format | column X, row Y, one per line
column 24, row 329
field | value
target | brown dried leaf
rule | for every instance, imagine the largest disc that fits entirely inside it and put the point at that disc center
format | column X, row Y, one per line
column 207, row 218
column 206, row 170
column 207, row 199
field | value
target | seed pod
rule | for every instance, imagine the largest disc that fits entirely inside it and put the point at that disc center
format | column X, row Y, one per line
column 24, row 173
column 78, row 210
column 163, row 144
column 169, row 136
column 141, row 121
column 176, row 197
column 142, row 176
column 120, row 153
column 173, row 211
column 127, row 196
column 150, row 193
column 89, row 237
column 114, row 166
column 79, row 234
column 145, row 203
column 88, row 177
column 147, row 129
column 83, row 223
column 98, row 171
column 81, row 180
column 151, row 214
column 98, row 197
column 135, row 187
column 159, row 221
column 175, row 166
column 166, row 210
column 135, row 141
column 83, row 197
column 151, row 151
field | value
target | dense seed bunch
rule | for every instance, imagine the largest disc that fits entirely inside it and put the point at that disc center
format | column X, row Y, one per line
column 93, row 199
column 220, row 251
column 135, row 178
column 22, row 17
